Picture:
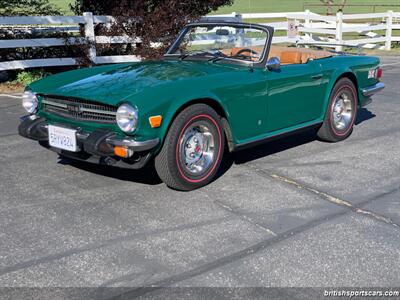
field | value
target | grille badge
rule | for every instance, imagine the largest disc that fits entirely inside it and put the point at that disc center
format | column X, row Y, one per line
column 74, row 108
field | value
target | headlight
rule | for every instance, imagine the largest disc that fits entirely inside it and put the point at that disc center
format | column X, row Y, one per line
column 127, row 117
column 29, row 101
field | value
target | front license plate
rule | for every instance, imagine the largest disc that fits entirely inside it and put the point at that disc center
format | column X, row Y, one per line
column 62, row 138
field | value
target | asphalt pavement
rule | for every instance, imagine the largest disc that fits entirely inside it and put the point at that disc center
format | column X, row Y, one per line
column 296, row 212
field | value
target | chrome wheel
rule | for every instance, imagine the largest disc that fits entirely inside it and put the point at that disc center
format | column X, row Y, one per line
column 342, row 111
column 197, row 149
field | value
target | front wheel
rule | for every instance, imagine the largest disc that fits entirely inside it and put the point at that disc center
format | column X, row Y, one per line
column 192, row 150
column 341, row 113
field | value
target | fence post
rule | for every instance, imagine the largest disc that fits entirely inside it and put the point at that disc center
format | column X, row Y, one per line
column 307, row 23
column 237, row 16
column 389, row 28
column 89, row 35
column 239, row 32
column 339, row 30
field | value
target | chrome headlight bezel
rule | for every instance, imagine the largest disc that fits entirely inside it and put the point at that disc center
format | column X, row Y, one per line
column 127, row 117
column 30, row 101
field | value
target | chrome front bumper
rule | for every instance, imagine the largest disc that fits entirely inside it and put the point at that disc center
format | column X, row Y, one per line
column 97, row 146
column 128, row 142
column 372, row 90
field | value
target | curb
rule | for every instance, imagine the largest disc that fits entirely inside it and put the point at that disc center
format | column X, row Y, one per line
column 16, row 96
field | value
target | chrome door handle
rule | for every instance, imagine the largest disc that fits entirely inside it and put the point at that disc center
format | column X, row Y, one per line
column 316, row 77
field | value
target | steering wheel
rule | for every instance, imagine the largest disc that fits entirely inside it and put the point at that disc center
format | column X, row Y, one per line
column 240, row 53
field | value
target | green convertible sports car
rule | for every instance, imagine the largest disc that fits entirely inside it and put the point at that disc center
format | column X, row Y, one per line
column 220, row 87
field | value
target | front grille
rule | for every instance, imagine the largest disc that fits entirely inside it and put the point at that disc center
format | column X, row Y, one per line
column 77, row 109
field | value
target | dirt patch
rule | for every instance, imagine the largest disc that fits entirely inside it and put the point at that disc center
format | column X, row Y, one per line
column 6, row 88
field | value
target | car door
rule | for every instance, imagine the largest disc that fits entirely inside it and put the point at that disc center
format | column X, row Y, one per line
column 295, row 95
column 245, row 101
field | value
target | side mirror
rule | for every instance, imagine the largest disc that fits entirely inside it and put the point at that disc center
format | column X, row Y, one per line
column 273, row 64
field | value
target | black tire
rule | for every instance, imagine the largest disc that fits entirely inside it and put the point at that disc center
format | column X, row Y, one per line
column 336, row 129
column 171, row 163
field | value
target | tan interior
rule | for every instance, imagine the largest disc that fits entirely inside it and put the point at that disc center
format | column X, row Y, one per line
column 287, row 55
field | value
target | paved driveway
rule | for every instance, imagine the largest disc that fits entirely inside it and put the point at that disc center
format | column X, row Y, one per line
column 295, row 212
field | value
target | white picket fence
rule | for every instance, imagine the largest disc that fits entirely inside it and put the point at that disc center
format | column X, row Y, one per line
column 309, row 28
column 332, row 30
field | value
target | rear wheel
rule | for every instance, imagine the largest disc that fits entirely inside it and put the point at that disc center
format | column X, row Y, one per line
column 341, row 113
column 193, row 149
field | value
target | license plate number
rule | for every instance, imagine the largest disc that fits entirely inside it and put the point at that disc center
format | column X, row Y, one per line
column 62, row 138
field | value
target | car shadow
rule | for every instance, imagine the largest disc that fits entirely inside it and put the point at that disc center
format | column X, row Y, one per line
column 364, row 115
column 147, row 175
column 281, row 144
column 275, row 146
column 269, row 148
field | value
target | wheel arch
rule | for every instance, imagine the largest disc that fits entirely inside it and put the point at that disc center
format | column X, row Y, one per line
column 214, row 104
column 327, row 132
column 350, row 75
column 336, row 76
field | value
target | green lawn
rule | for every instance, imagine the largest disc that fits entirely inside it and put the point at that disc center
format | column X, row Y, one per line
column 63, row 4
column 265, row 6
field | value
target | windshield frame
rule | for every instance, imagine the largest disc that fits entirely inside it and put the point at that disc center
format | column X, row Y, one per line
column 170, row 54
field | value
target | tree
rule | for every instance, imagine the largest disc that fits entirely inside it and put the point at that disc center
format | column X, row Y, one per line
column 151, row 21
column 27, row 8
column 330, row 3
column 100, row 7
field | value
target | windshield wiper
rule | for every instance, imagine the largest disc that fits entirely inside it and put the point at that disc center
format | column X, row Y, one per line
column 193, row 53
column 201, row 53
column 183, row 56
column 219, row 57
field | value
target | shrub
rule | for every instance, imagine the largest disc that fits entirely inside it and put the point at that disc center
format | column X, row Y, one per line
column 153, row 21
column 27, row 77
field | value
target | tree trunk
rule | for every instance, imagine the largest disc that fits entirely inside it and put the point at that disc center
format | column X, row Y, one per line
column 329, row 9
column 344, row 2
column 329, row 6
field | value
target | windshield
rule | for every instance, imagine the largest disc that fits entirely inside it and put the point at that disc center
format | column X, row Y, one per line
column 217, row 42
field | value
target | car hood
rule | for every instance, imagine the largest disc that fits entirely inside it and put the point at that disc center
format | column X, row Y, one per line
column 113, row 83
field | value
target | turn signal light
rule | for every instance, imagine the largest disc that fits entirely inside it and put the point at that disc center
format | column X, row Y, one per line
column 155, row 121
column 123, row 152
